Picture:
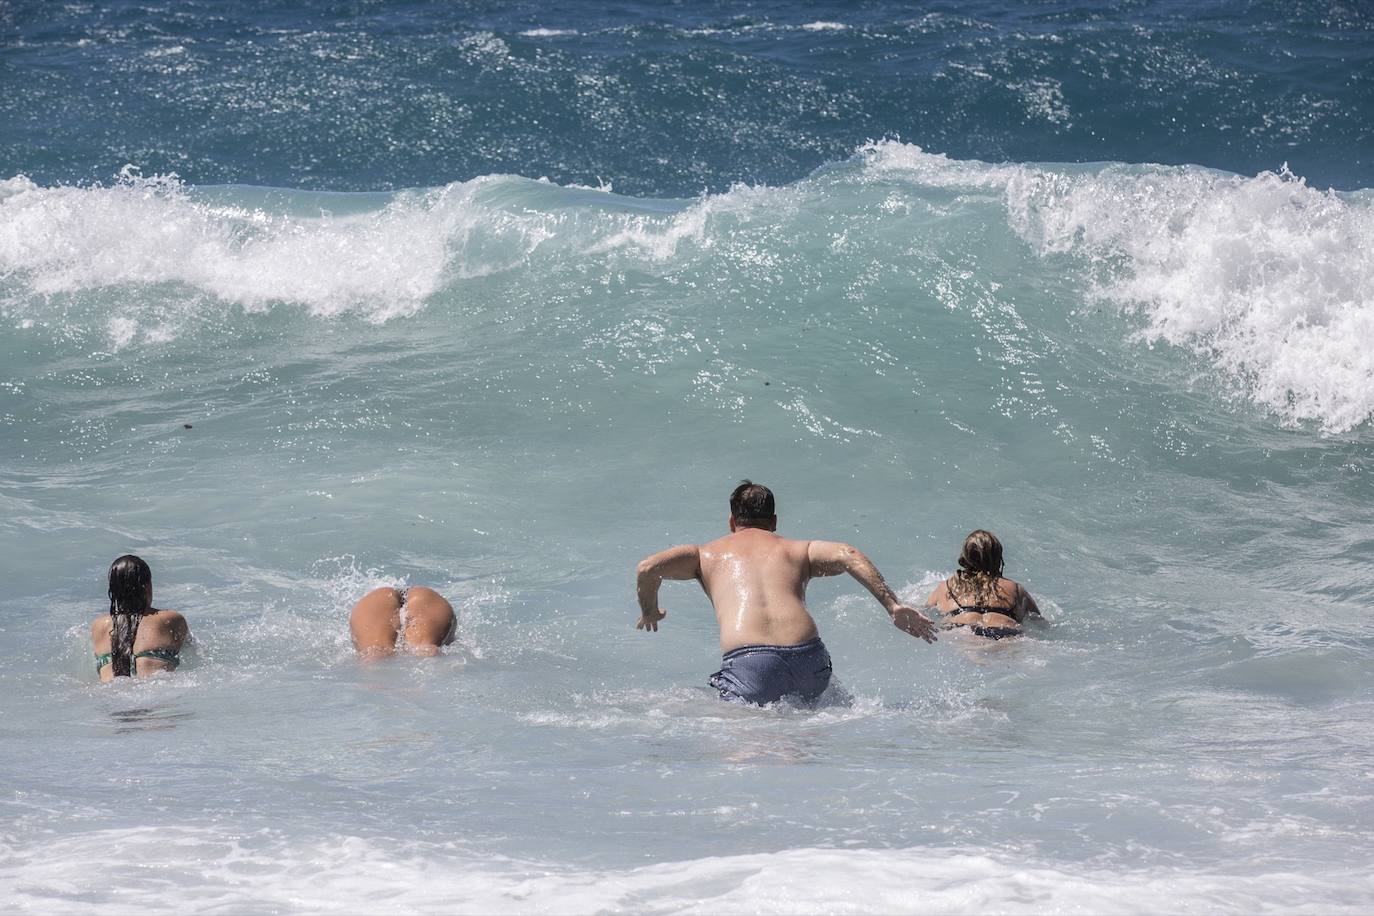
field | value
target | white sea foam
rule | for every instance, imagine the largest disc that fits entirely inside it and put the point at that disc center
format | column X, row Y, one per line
column 548, row 33
column 145, row 232
column 1270, row 279
column 184, row 868
column 891, row 159
column 381, row 264
column 660, row 238
column 1044, row 99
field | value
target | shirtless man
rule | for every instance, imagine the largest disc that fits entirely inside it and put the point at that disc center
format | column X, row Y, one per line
column 757, row 583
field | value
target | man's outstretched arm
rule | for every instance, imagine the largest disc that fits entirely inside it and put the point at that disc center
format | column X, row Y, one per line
column 829, row 558
column 682, row 562
column 1026, row 605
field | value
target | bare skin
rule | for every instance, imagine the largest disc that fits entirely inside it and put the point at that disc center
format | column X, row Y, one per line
column 159, row 630
column 757, row 580
column 1016, row 602
column 376, row 622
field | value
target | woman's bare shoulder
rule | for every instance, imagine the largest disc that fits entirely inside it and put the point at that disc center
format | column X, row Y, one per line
column 1024, row 602
column 173, row 624
column 938, row 593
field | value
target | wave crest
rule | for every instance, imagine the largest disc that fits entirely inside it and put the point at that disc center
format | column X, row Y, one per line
column 141, row 232
column 1270, row 280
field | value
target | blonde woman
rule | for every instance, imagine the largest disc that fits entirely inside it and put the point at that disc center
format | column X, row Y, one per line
column 978, row 597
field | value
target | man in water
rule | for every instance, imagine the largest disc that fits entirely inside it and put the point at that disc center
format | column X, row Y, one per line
column 757, row 583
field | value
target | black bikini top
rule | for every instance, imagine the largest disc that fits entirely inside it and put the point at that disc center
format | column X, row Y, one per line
column 979, row 608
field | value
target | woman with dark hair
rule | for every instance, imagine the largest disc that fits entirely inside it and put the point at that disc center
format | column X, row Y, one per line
column 978, row 597
column 135, row 638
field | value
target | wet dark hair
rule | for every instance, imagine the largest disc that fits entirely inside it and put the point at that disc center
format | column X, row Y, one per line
column 751, row 504
column 980, row 564
column 130, row 580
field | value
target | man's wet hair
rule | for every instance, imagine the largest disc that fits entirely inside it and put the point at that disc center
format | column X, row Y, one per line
column 752, row 504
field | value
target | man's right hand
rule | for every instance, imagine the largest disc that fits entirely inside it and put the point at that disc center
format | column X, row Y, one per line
column 910, row 620
column 649, row 620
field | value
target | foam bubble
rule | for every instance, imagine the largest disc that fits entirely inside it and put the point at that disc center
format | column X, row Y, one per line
column 269, row 871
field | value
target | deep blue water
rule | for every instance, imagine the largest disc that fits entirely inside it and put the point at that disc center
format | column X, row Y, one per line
column 669, row 99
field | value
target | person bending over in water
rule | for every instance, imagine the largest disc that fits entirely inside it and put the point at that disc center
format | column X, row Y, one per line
column 135, row 638
column 756, row 581
column 978, row 597
column 385, row 615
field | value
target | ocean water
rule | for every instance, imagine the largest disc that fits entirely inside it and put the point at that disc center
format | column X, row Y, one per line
column 297, row 300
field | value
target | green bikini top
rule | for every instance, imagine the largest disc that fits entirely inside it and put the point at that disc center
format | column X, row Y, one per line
column 170, row 656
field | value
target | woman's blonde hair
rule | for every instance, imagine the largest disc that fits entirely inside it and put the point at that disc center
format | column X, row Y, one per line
column 980, row 565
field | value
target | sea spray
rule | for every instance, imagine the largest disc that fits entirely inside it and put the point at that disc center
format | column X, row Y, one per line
column 1271, row 280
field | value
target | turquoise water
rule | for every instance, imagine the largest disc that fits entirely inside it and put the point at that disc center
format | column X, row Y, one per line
column 1149, row 380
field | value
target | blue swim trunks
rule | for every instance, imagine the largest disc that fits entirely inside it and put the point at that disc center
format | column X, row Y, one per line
column 766, row 674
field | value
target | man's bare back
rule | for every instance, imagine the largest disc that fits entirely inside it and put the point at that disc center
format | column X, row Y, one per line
column 757, row 580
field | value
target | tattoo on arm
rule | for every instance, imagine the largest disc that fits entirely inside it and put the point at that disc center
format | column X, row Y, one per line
column 868, row 576
column 830, row 559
